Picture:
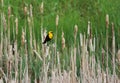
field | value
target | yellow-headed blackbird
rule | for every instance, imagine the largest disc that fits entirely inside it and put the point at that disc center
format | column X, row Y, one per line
column 48, row 37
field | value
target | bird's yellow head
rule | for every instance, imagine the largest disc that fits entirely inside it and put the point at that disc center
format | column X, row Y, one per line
column 50, row 34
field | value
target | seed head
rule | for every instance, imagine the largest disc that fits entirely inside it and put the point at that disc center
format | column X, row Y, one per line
column 4, row 22
column 31, row 11
column 25, row 10
column 63, row 41
column 9, row 11
column 75, row 30
column 23, row 41
column 16, row 23
column 57, row 20
column 107, row 21
column 118, row 56
column 42, row 8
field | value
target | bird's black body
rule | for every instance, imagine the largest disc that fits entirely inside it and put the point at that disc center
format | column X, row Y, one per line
column 46, row 39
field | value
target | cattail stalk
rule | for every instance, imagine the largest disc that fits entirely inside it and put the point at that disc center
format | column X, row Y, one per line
column 113, row 51
column 20, row 81
column 42, row 12
column 107, row 26
column 9, row 14
column 75, row 36
column 31, row 14
column 4, row 23
column 103, row 59
column 57, row 20
column 9, row 62
column 63, row 41
column 16, row 62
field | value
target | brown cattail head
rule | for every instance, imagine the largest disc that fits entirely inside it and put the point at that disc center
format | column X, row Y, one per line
column 9, row 11
column 23, row 38
column 89, row 30
column 107, row 21
column 4, row 22
column 25, row 10
column 75, row 30
column 118, row 56
column 16, row 23
column 57, row 20
column 112, row 28
column 63, row 41
column 31, row 15
column 42, row 8
column 88, row 27
column 2, row 2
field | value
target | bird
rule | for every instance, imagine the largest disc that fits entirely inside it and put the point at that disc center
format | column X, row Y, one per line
column 48, row 37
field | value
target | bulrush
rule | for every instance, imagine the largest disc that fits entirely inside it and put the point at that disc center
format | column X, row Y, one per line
column 25, row 10
column 57, row 20
column 16, row 24
column 23, row 38
column 88, row 27
column 9, row 11
column 31, row 14
column 107, row 21
column 75, row 30
column 118, row 56
column 4, row 22
column 63, row 41
column 42, row 8
column 2, row 2
column 89, row 30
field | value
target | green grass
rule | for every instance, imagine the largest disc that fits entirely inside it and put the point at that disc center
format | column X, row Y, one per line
column 70, row 13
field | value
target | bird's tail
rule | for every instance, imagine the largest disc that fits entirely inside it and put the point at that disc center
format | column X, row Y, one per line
column 44, row 42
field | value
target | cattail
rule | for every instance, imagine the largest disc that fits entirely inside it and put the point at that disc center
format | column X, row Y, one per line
column 9, row 11
column 2, row 2
column 107, row 21
column 113, row 40
column 57, row 20
column 25, row 10
column 63, row 41
column 16, row 23
column 31, row 15
column 107, row 25
column 75, row 30
column 42, row 8
column 118, row 56
column 23, row 38
column 4, row 22
column 88, row 27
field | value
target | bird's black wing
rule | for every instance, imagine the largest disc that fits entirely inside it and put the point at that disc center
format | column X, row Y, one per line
column 46, row 39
